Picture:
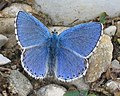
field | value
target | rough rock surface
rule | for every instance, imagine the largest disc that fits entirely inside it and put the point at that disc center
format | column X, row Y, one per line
column 7, row 25
column 19, row 84
column 14, row 8
column 100, row 59
column 67, row 11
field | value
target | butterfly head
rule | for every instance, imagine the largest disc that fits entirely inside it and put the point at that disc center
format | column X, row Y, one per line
column 54, row 32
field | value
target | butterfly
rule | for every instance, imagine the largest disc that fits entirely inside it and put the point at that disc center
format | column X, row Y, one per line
column 64, row 56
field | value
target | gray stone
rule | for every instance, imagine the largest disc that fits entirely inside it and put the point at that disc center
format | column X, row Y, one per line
column 19, row 84
column 3, row 40
column 4, row 60
column 12, row 41
column 14, row 8
column 115, row 64
column 113, row 85
column 7, row 25
column 80, row 84
column 51, row 90
column 110, row 30
column 67, row 11
column 100, row 59
column 118, row 29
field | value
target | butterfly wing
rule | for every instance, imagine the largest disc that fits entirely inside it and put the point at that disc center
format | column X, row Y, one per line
column 29, row 30
column 34, row 61
column 70, row 65
column 75, row 45
column 33, row 37
column 82, row 38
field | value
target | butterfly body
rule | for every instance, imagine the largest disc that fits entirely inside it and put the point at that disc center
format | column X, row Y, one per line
column 62, row 56
column 52, row 53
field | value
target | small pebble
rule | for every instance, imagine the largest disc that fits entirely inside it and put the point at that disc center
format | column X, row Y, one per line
column 115, row 64
column 3, row 40
column 113, row 85
column 110, row 30
column 14, row 67
column 4, row 60
column 51, row 90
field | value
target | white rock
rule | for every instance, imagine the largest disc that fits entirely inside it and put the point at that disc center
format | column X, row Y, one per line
column 4, row 60
column 115, row 64
column 3, row 40
column 66, row 11
column 51, row 90
column 110, row 30
column 14, row 8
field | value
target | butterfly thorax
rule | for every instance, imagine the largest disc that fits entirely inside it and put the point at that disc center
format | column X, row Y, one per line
column 54, row 41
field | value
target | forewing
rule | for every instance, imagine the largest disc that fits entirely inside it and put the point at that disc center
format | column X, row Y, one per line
column 82, row 38
column 29, row 30
column 70, row 65
column 34, row 61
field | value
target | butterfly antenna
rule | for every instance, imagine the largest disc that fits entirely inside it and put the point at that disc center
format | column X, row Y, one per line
column 69, row 25
column 73, row 22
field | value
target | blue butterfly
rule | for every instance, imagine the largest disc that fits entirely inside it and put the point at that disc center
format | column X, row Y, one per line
column 63, row 56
